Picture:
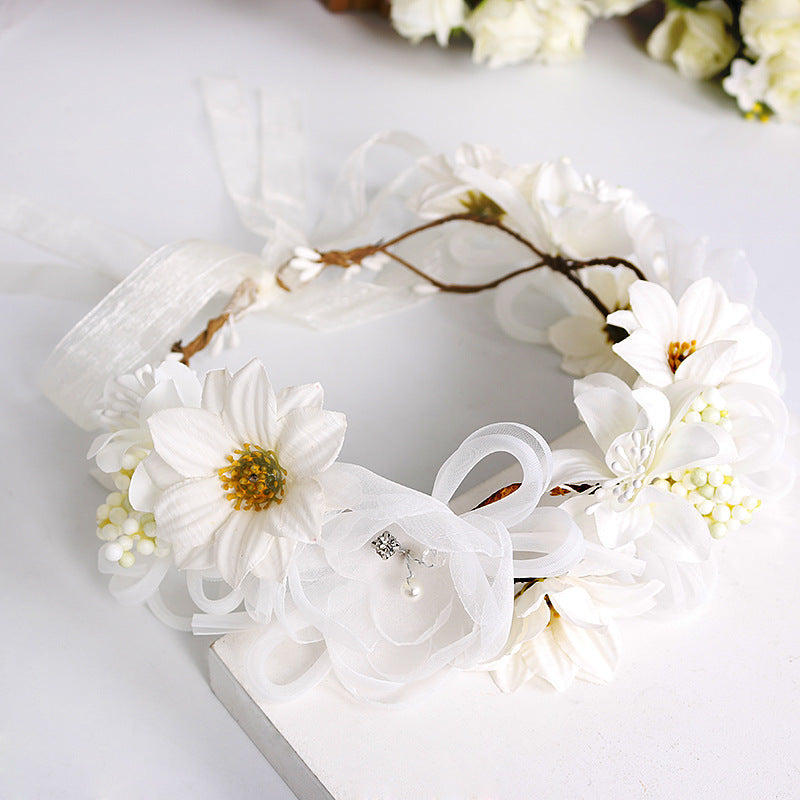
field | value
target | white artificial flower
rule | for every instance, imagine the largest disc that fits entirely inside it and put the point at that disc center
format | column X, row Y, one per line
column 450, row 188
column 783, row 84
column 770, row 26
column 416, row 19
column 697, row 40
column 234, row 484
column 509, row 31
column 703, row 338
column 129, row 400
column 641, row 437
column 747, row 83
column 613, row 8
column 564, row 628
column 584, row 338
column 578, row 215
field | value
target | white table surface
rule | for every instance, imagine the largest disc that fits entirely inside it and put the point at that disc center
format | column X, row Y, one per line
column 100, row 113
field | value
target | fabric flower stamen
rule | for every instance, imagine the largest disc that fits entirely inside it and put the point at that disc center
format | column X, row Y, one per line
column 678, row 352
column 253, row 479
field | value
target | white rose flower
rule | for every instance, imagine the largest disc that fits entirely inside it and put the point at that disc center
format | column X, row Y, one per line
column 416, row 19
column 770, row 26
column 576, row 215
column 510, row 31
column 234, row 484
column 783, row 87
column 703, row 338
column 696, row 40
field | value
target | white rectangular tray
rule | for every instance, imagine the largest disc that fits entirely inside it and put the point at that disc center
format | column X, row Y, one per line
column 704, row 706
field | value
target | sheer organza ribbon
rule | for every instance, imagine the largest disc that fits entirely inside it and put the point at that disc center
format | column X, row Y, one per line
column 334, row 593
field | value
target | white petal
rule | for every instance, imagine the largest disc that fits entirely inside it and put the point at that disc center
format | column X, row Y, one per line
column 275, row 565
column 691, row 446
column 510, row 673
column 654, row 307
column 191, row 441
column 310, row 394
column 190, row 512
column 594, row 650
column 142, row 492
column 547, row 660
column 162, row 395
column 250, row 407
column 310, row 440
column 578, row 336
column 709, row 365
column 241, row 542
column 679, row 532
column 607, row 412
column 576, row 605
column 300, row 514
column 575, row 467
column 215, row 386
column 647, row 355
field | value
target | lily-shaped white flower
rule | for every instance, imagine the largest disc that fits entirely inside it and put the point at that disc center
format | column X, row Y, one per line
column 564, row 628
column 641, row 436
column 234, row 483
column 703, row 338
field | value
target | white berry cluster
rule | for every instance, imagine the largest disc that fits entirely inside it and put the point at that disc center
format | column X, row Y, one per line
column 122, row 528
column 715, row 492
column 717, row 495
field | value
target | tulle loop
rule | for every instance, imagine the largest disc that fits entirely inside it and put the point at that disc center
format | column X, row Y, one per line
column 259, row 659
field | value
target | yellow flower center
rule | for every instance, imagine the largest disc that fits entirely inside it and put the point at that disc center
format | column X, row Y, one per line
column 677, row 352
column 253, row 479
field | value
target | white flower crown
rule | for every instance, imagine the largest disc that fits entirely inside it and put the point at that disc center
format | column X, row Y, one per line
column 235, row 489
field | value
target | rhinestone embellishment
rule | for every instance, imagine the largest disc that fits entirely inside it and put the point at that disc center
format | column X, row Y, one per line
column 386, row 545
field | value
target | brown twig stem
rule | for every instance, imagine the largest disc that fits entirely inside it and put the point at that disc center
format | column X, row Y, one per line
column 568, row 267
column 201, row 340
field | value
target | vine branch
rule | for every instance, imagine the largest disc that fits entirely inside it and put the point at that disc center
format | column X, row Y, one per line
column 568, row 267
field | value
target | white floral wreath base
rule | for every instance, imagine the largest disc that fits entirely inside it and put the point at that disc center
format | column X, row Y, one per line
column 236, row 490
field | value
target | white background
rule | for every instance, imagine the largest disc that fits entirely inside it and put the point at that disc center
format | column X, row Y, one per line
column 100, row 113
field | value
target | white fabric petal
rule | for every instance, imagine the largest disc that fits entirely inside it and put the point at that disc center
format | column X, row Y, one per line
column 576, row 467
column 299, row 515
column 678, row 531
column 309, row 441
column 191, row 441
column 215, row 387
column 593, row 650
column 654, row 304
column 189, row 512
column 250, row 407
column 647, row 355
column 292, row 397
column 606, row 411
column 545, row 659
column 240, row 543
column 710, row 365
column 577, row 606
